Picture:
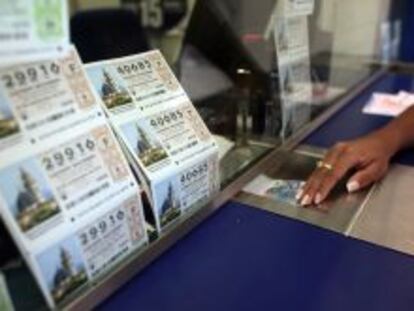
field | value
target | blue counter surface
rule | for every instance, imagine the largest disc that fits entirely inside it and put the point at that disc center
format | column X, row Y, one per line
column 243, row 258
column 350, row 122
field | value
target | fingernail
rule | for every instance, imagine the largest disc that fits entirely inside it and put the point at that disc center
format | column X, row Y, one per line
column 299, row 194
column 306, row 200
column 352, row 186
column 318, row 198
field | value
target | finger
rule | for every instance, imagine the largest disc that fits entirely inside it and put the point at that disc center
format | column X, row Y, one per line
column 309, row 192
column 330, row 158
column 344, row 164
column 366, row 176
column 309, row 189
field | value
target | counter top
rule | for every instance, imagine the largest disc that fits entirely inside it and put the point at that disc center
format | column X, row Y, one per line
column 350, row 123
column 243, row 258
column 246, row 258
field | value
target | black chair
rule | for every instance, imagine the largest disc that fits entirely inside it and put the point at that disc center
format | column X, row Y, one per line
column 210, row 31
column 107, row 33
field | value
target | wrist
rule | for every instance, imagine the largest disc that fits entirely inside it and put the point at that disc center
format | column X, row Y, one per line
column 392, row 139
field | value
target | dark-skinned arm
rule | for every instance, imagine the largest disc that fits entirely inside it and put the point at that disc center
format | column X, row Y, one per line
column 369, row 156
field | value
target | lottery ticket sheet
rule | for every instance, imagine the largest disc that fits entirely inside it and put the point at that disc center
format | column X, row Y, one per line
column 291, row 37
column 33, row 29
column 171, row 148
column 67, row 194
column 299, row 7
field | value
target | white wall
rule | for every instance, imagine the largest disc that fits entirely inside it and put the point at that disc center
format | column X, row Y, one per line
column 357, row 24
column 353, row 27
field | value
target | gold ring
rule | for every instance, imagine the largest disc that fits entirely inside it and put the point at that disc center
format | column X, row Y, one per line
column 324, row 165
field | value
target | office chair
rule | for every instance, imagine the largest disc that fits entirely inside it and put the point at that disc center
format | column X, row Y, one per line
column 107, row 33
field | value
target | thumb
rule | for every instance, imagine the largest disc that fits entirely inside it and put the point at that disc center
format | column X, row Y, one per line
column 365, row 177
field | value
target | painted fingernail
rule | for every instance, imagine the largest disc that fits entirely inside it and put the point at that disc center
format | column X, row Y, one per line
column 318, row 198
column 306, row 200
column 299, row 194
column 352, row 186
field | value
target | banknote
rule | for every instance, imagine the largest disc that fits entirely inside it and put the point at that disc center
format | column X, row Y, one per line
column 284, row 191
column 280, row 190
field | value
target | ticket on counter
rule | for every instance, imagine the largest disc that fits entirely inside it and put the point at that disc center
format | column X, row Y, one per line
column 389, row 104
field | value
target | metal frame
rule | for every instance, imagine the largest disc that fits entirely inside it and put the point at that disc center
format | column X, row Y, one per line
column 399, row 67
column 106, row 287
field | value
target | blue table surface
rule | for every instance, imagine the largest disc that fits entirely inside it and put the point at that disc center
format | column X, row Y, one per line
column 350, row 122
column 244, row 258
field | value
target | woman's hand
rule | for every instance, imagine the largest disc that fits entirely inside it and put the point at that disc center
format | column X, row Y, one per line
column 369, row 156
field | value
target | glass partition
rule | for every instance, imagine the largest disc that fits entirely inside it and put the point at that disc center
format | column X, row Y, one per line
column 229, row 60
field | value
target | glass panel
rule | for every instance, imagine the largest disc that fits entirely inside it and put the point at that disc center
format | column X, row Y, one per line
column 225, row 55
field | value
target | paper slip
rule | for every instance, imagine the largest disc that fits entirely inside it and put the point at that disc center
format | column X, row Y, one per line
column 67, row 194
column 295, row 85
column 275, row 189
column 33, row 29
column 299, row 7
column 388, row 104
column 292, row 38
column 171, row 148
column 292, row 51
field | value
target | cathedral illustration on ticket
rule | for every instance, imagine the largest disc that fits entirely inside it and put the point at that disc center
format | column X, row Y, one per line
column 148, row 150
column 170, row 207
column 8, row 125
column 33, row 207
column 67, row 277
column 113, row 95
